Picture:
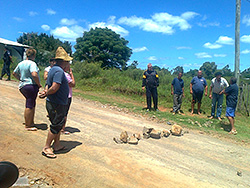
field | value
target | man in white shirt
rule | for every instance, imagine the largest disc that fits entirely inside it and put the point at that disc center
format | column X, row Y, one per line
column 218, row 85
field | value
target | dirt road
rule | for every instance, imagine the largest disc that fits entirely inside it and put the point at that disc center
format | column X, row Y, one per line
column 94, row 160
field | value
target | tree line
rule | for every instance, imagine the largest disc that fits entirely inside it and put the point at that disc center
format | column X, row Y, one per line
column 108, row 49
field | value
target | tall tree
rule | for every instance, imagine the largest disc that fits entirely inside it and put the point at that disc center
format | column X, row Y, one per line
column 45, row 45
column 104, row 46
column 208, row 69
column 178, row 69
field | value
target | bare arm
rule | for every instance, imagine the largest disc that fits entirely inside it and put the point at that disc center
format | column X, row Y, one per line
column 206, row 91
column 172, row 87
column 17, row 76
column 45, row 75
column 73, row 83
column 190, row 87
column 36, row 78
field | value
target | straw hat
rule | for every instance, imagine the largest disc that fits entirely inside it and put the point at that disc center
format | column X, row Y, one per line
column 62, row 54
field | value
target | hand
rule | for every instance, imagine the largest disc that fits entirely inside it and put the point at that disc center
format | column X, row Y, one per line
column 205, row 93
column 172, row 92
column 191, row 92
column 42, row 94
column 210, row 96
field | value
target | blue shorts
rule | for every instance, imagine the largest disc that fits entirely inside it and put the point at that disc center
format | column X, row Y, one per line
column 230, row 112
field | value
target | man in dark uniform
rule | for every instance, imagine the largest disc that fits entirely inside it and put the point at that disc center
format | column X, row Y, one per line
column 151, row 81
column 6, row 66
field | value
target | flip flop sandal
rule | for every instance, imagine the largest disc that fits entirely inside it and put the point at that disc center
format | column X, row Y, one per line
column 31, row 128
column 233, row 132
column 49, row 155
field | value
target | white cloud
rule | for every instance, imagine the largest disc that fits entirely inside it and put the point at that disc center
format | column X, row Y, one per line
column 50, row 11
column 183, row 48
column 225, row 40
column 212, row 24
column 245, row 38
column 181, row 58
column 159, row 22
column 246, row 51
column 212, row 46
column 111, row 25
column 140, row 49
column 220, row 55
column 203, row 55
column 66, row 21
column 45, row 27
column 152, row 58
column 246, row 20
column 68, row 33
column 18, row 19
column 32, row 13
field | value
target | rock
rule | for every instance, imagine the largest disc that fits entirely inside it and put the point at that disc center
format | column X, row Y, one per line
column 176, row 130
column 132, row 140
column 155, row 134
column 239, row 173
column 124, row 136
column 165, row 132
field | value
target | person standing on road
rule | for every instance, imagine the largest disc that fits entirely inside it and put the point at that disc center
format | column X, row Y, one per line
column 71, row 81
column 47, row 69
column 7, row 58
column 231, row 93
column 177, row 90
column 218, row 85
column 57, row 92
column 28, row 74
column 197, row 86
column 151, row 82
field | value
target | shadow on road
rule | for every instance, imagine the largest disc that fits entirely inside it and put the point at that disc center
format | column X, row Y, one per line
column 72, row 129
column 42, row 126
column 69, row 145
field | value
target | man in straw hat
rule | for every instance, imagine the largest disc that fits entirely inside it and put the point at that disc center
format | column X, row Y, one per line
column 57, row 92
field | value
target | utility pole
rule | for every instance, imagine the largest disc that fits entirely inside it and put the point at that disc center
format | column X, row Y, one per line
column 237, row 42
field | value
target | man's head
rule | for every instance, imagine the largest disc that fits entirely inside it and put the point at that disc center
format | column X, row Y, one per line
column 218, row 76
column 31, row 53
column 199, row 74
column 62, row 58
column 233, row 80
column 180, row 75
column 150, row 67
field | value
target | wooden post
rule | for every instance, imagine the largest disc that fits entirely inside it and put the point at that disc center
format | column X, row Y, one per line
column 237, row 42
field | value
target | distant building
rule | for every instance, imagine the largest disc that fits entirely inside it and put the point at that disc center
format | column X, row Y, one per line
column 16, row 49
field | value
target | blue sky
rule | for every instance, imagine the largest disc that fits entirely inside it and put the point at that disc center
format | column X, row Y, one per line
column 166, row 33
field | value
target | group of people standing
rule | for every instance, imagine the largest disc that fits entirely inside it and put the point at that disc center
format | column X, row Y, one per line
column 198, row 85
column 58, row 92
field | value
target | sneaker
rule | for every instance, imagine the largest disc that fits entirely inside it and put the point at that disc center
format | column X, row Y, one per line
column 147, row 110
column 219, row 119
column 211, row 117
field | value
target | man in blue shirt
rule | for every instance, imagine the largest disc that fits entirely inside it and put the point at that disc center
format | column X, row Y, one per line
column 56, row 103
column 197, row 86
column 231, row 93
column 177, row 90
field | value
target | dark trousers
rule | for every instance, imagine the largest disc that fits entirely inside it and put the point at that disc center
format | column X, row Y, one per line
column 57, row 113
column 152, row 92
column 6, row 70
